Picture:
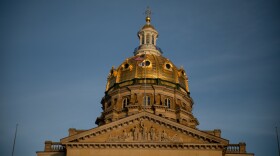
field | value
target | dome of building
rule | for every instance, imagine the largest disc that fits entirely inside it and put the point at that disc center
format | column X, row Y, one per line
column 147, row 110
column 148, row 82
column 148, row 63
column 155, row 68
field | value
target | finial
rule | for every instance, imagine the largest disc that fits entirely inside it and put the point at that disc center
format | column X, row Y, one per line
column 148, row 13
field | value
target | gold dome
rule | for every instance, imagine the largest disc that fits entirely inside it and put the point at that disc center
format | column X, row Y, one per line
column 147, row 64
column 155, row 68
column 147, row 82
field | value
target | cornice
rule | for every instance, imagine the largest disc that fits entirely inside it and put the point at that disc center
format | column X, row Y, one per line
column 131, row 145
column 195, row 133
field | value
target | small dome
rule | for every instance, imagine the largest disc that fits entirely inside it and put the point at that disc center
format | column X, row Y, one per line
column 148, row 26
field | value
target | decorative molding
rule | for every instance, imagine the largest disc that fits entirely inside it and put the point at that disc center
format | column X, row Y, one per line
column 197, row 134
column 130, row 145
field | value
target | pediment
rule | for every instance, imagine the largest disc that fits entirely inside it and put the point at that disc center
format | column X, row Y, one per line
column 146, row 128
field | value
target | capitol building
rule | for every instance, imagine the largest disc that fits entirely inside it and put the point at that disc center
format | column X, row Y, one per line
column 146, row 110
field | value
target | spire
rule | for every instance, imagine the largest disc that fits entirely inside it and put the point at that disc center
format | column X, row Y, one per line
column 148, row 13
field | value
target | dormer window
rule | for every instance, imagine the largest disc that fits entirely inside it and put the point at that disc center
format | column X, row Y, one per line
column 126, row 66
column 145, row 63
column 168, row 66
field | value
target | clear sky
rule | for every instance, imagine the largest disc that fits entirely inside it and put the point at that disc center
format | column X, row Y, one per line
column 55, row 56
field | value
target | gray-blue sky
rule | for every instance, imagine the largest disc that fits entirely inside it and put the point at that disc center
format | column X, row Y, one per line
column 55, row 57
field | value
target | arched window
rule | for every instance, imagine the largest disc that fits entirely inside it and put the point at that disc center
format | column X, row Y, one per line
column 147, row 100
column 148, row 39
column 125, row 102
column 143, row 38
column 167, row 102
column 153, row 39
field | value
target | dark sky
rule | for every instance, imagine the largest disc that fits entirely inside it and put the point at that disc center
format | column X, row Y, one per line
column 55, row 56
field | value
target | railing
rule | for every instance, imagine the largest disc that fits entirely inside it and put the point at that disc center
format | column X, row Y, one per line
column 236, row 148
column 54, row 146
column 137, row 48
column 159, row 49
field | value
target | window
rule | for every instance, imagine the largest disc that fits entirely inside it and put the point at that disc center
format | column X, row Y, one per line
column 145, row 63
column 126, row 66
column 153, row 39
column 143, row 38
column 167, row 102
column 183, row 73
column 125, row 102
column 168, row 66
column 147, row 100
column 148, row 38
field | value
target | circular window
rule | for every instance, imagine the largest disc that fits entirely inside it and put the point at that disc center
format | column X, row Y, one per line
column 147, row 63
column 168, row 66
column 126, row 66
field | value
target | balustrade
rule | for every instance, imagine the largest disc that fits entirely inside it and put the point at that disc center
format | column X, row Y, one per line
column 54, row 146
column 236, row 148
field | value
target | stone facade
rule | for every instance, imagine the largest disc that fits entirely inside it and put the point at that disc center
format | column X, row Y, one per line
column 147, row 110
column 143, row 133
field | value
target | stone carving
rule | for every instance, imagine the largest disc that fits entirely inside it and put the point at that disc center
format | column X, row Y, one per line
column 164, row 136
column 153, row 133
column 135, row 133
column 143, row 130
column 144, row 134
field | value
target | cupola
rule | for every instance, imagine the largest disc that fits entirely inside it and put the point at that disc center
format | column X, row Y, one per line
column 148, row 36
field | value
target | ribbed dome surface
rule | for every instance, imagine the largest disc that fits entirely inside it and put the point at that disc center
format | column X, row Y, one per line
column 148, row 26
column 147, row 82
column 149, row 67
